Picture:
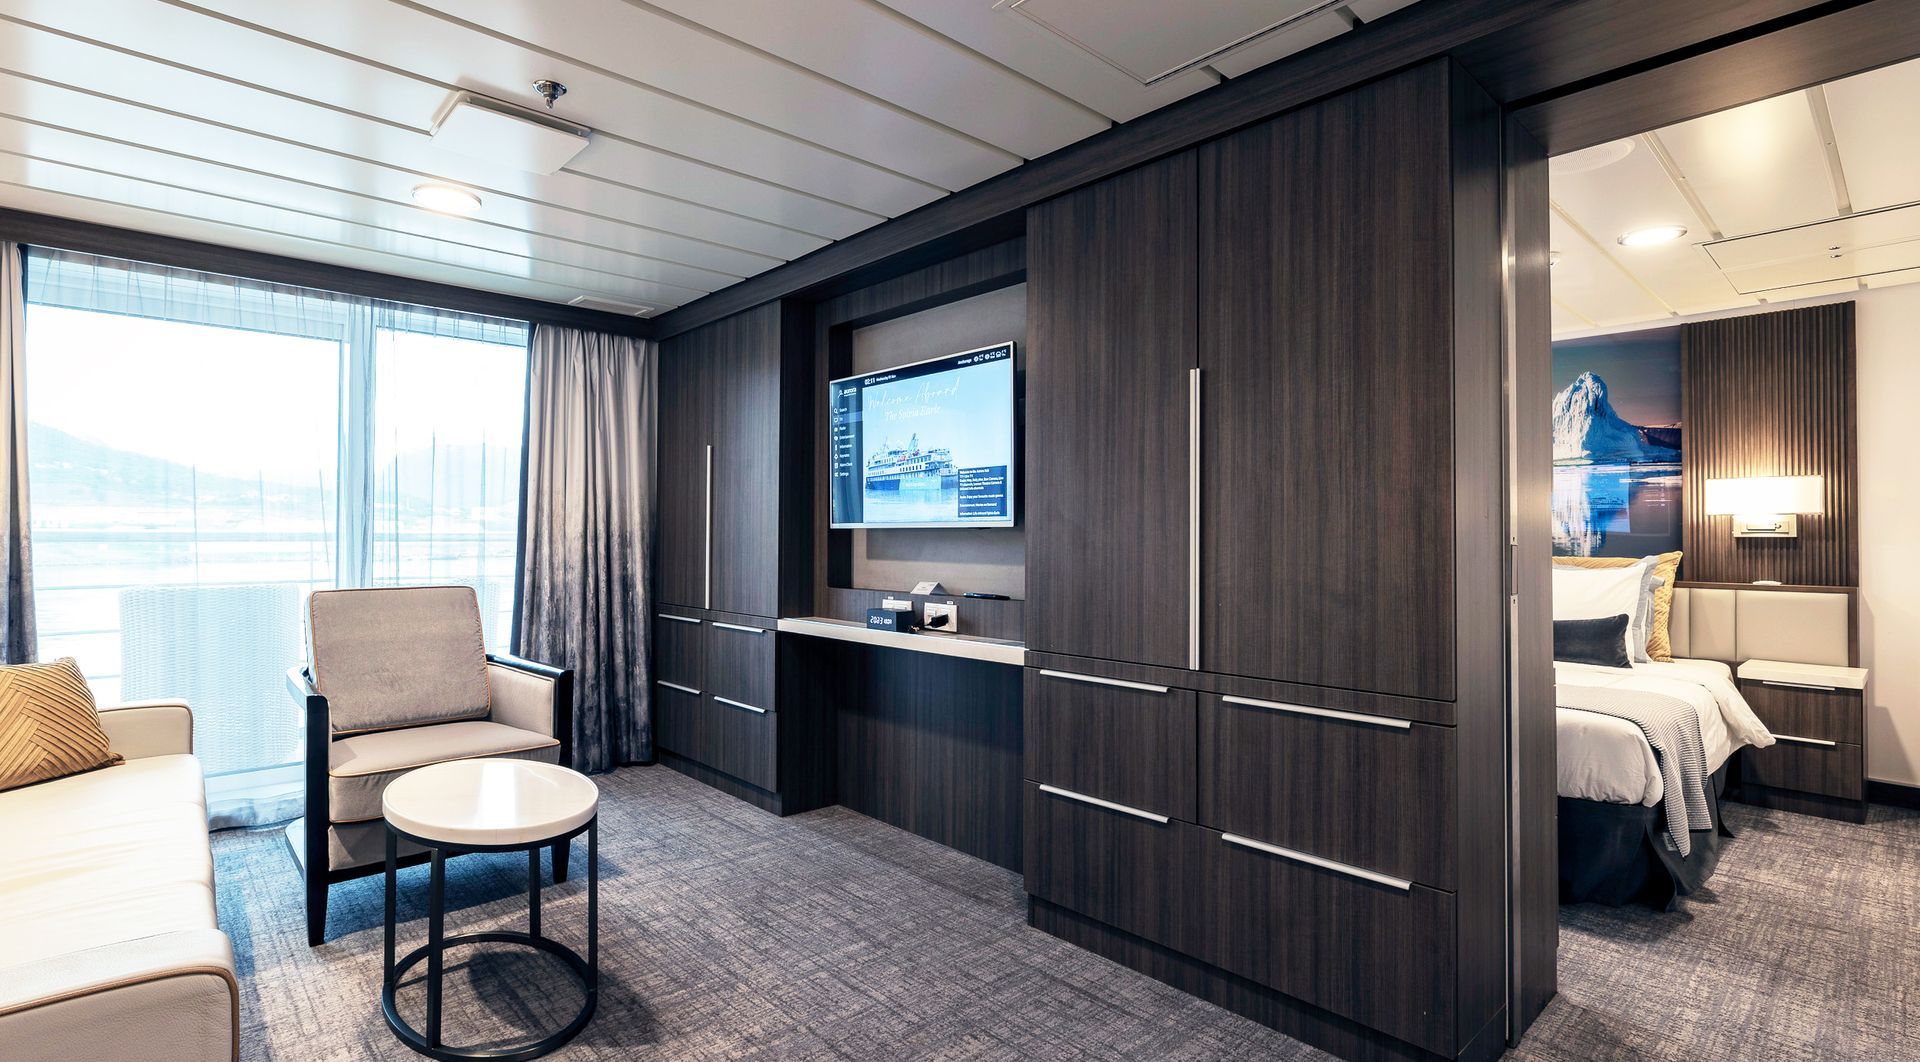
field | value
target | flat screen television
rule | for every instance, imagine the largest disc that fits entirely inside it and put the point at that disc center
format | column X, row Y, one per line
column 929, row 444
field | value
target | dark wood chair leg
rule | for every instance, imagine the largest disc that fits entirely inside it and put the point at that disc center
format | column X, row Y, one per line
column 560, row 861
column 316, row 907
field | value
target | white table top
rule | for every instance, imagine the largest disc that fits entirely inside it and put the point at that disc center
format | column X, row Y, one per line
column 490, row 801
column 1819, row 675
column 967, row 646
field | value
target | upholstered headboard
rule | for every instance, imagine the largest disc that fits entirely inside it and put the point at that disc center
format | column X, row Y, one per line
column 1737, row 622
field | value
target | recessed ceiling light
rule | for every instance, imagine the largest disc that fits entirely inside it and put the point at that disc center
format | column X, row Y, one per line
column 1586, row 160
column 1649, row 236
column 446, row 199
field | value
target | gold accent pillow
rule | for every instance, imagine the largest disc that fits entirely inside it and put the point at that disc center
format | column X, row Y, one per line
column 1667, row 567
column 48, row 725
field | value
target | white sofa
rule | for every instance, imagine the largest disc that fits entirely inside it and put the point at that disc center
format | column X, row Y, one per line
column 109, row 947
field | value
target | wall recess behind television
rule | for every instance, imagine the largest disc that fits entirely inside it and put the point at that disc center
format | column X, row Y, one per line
column 982, row 560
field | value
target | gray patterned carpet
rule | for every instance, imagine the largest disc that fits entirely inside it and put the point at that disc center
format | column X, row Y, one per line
column 727, row 933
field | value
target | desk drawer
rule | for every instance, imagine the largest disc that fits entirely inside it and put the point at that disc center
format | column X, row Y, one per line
column 740, row 663
column 677, row 641
column 1807, row 766
column 1367, row 791
column 733, row 741
column 1798, row 711
column 1380, row 954
column 1116, row 864
column 1131, row 743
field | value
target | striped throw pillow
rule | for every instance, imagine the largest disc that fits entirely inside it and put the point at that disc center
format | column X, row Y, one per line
column 48, row 725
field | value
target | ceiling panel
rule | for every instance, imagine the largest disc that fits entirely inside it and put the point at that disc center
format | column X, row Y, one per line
column 1756, row 167
column 1587, row 282
column 1876, row 124
column 1282, row 43
column 1137, row 37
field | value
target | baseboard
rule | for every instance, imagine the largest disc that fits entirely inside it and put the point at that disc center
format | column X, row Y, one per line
column 1893, row 794
column 1302, row 1021
column 726, row 783
column 1825, row 807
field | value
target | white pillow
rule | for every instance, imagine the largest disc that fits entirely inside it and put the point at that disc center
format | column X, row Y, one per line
column 1597, row 593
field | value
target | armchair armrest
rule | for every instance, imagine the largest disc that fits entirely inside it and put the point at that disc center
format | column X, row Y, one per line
column 139, row 729
column 167, row 996
column 299, row 684
column 533, row 696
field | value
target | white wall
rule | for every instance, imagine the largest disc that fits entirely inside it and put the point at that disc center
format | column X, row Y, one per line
column 1887, row 332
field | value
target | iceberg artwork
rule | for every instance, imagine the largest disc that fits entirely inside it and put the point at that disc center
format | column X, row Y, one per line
column 1616, row 444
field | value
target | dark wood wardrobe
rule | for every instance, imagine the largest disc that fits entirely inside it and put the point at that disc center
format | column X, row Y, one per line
column 1264, row 711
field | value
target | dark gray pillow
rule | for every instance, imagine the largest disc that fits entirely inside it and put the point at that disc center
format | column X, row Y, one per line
column 1592, row 641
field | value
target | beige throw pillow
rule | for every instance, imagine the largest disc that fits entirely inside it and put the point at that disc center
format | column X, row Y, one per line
column 1667, row 567
column 49, row 727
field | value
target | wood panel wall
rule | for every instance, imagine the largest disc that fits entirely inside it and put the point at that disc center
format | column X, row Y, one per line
column 1771, row 394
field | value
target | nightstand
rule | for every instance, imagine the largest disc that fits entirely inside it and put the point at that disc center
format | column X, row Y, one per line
column 1817, row 713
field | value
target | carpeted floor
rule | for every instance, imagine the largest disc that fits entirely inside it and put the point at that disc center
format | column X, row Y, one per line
column 727, row 933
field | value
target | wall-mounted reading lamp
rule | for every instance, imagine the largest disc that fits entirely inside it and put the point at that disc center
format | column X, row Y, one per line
column 1766, row 506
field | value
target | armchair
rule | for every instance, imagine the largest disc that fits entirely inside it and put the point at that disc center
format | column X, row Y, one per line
column 398, row 678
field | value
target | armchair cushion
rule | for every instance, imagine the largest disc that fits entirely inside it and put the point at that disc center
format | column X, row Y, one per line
column 48, row 725
column 397, row 656
column 359, row 768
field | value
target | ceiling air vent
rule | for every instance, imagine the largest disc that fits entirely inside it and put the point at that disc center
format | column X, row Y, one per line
column 1843, row 248
column 608, row 305
column 508, row 134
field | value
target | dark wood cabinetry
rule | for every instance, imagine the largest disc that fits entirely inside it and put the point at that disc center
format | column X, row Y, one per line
column 1110, row 305
column 1817, row 764
column 680, row 542
column 1121, row 741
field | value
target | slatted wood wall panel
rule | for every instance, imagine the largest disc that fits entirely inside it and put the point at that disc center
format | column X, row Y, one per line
column 1771, row 395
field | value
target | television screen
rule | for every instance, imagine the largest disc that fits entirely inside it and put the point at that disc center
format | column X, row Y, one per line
column 926, row 445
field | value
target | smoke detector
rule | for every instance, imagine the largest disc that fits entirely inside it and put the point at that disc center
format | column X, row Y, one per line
column 506, row 133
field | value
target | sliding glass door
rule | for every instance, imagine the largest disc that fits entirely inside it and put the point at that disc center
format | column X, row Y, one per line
column 204, row 452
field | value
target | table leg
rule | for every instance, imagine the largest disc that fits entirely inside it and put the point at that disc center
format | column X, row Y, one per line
column 533, row 891
column 436, row 930
column 392, row 889
column 593, row 903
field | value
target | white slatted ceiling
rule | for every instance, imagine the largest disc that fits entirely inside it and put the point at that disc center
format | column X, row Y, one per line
column 1756, row 169
column 730, row 135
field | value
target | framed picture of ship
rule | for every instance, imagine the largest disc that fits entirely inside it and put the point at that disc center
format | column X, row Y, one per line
column 1617, row 438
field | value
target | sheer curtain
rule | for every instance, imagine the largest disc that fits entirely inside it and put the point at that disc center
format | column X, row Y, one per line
column 205, row 451
column 16, row 571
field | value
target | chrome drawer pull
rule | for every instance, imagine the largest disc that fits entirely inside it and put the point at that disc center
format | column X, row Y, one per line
column 1099, row 803
column 1799, row 686
column 677, row 686
column 1325, row 864
column 1324, row 713
column 737, row 627
column 738, row 704
column 1098, row 681
column 677, row 619
column 1805, row 741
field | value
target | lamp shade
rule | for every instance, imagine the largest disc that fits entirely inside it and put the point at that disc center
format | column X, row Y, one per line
column 1766, row 495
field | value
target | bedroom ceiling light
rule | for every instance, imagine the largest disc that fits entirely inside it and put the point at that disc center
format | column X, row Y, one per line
column 446, row 199
column 1647, row 237
column 1765, row 506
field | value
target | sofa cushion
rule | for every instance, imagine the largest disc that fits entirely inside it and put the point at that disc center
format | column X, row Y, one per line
column 49, row 727
column 109, row 856
column 359, row 768
column 397, row 656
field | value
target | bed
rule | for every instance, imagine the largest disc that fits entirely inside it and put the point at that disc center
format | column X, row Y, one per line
column 1617, row 842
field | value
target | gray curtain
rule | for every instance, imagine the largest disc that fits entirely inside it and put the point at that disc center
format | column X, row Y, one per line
column 586, row 538
column 17, row 642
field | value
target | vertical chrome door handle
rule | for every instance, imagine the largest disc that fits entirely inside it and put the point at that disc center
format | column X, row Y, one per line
column 706, row 561
column 1193, row 519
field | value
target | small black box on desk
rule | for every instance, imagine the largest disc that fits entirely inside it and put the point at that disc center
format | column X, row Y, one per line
column 887, row 619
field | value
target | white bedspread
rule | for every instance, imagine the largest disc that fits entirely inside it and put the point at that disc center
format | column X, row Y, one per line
column 1605, row 758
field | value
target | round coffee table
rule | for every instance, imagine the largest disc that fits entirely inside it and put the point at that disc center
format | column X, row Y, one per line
column 489, row 805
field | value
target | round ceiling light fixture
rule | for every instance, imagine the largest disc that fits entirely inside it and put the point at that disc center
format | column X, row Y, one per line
column 446, row 199
column 1651, row 235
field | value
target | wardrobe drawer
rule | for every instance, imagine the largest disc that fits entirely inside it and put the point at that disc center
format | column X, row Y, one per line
column 1807, row 765
column 1368, row 791
column 677, row 641
column 1379, row 953
column 740, row 663
column 1800, row 711
column 1131, row 870
column 1127, row 742
column 734, row 741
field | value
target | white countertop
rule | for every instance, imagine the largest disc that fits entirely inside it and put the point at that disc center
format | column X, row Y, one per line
column 992, row 650
column 1840, row 678
column 490, row 801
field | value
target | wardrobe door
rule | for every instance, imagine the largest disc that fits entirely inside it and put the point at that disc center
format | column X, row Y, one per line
column 680, row 553
column 745, row 396
column 1326, row 281
column 1110, row 296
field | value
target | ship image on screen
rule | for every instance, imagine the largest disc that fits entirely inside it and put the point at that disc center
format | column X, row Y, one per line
column 926, row 445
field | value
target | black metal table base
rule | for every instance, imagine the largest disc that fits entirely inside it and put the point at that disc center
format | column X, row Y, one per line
column 587, row 970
